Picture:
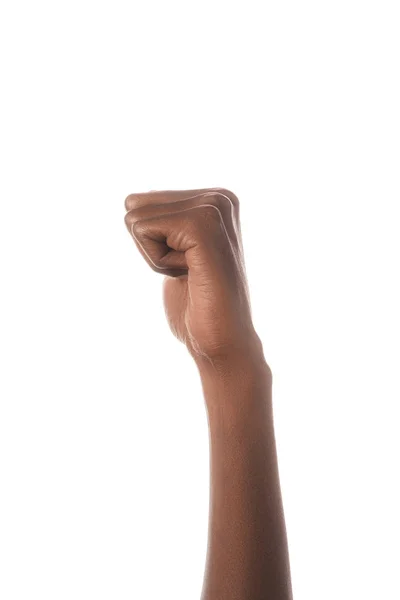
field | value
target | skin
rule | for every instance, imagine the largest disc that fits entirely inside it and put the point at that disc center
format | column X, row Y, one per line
column 193, row 238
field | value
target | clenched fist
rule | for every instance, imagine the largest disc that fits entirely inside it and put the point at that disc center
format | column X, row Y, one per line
column 193, row 238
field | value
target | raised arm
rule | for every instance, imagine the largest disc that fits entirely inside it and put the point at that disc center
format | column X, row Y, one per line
column 193, row 238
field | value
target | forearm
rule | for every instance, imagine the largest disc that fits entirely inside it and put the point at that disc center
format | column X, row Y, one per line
column 247, row 556
column 193, row 237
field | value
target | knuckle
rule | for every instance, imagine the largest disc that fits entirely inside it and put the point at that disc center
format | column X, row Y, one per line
column 137, row 227
column 133, row 201
column 128, row 202
column 221, row 201
column 224, row 192
column 154, row 267
column 132, row 221
column 128, row 219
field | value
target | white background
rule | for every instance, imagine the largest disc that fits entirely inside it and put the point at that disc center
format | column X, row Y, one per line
column 103, row 432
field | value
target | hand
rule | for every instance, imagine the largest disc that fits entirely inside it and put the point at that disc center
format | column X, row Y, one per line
column 193, row 237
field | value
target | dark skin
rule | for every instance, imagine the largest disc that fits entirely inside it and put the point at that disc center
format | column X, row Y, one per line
column 193, row 238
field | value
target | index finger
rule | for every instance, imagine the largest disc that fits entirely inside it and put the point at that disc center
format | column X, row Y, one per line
column 161, row 197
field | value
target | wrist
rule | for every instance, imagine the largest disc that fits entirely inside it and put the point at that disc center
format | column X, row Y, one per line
column 238, row 384
column 236, row 361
